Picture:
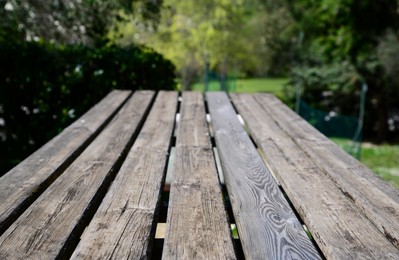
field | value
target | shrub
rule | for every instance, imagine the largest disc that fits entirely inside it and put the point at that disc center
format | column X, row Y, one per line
column 333, row 87
column 44, row 87
column 336, row 88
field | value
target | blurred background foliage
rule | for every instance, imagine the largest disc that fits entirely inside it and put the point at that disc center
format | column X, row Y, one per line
column 56, row 62
column 347, row 43
column 328, row 49
column 70, row 21
column 247, row 38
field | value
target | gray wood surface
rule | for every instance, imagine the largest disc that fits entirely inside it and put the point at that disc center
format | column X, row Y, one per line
column 338, row 226
column 123, row 225
column 197, row 226
column 45, row 228
column 376, row 198
column 21, row 185
column 192, row 130
column 268, row 228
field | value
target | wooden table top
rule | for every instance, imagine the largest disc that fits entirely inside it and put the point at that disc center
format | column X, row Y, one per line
column 98, row 189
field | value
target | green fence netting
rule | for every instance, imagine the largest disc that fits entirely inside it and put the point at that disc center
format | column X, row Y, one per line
column 334, row 125
column 217, row 82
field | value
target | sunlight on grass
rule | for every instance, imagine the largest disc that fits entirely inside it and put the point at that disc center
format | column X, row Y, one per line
column 271, row 85
column 234, row 231
column 274, row 86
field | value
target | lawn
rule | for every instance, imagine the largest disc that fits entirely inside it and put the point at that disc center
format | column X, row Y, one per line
column 274, row 86
column 271, row 85
column 381, row 159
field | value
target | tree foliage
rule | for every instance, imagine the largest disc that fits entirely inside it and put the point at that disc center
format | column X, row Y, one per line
column 281, row 36
column 56, row 62
column 228, row 35
column 353, row 32
column 67, row 21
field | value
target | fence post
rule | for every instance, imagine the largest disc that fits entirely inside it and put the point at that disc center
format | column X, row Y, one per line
column 358, row 134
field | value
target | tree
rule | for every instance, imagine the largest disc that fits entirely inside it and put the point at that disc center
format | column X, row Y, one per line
column 280, row 35
column 226, row 34
column 66, row 21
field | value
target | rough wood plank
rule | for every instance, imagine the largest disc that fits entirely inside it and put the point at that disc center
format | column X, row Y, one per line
column 376, row 198
column 47, row 226
column 123, row 224
column 192, row 130
column 267, row 226
column 197, row 226
column 21, row 185
column 339, row 228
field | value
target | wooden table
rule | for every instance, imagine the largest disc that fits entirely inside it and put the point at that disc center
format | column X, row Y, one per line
column 98, row 191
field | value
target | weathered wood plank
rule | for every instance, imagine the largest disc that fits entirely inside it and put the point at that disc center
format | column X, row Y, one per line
column 21, row 185
column 338, row 226
column 123, row 224
column 194, row 131
column 197, row 226
column 46, row 227
column 376, row 198
column 267, row 226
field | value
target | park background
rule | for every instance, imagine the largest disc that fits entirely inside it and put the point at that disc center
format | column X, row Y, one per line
column 338, row 57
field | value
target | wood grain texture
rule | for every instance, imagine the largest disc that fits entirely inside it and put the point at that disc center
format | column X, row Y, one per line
column 47, row 225
column 192, row 130
column 376, row 198
column 24, row 182
column 338, row 226
column 123, row 224
column 197, row 226
column 268, row 228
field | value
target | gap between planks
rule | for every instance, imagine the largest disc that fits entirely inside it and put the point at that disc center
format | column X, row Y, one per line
column 197, row 224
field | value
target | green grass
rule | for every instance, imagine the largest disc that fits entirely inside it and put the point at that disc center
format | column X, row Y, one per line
column 271, row 85
column 381, row 159
column 274, row 86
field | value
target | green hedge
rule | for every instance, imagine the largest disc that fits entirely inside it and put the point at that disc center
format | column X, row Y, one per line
column 44, row 87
